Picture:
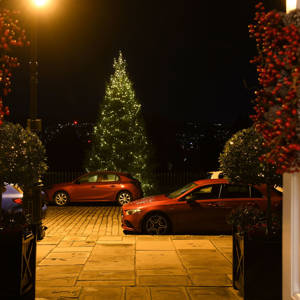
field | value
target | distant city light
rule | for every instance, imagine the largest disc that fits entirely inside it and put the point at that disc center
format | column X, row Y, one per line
column 75, row 123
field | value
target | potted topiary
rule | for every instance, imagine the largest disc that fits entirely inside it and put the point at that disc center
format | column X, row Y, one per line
column 256, row 263
column 256, row 233
column 22, row 162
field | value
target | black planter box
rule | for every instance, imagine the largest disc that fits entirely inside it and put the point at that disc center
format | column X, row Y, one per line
column 257, row 268
column 18, row 262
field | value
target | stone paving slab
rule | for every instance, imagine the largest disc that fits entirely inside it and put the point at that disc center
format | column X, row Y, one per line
column 167, row 293
column 194, row 244
column 157, row 260
column 106, row 275
column 138, row 293
column 99, row 293
column 98, row 283
column 65, row 258
column 154, row 244
column 163, row 280
column 57, row 292
column 117, row 263
column 161, row 271
column 212, row 293
column 85, row 255
column 208, row 278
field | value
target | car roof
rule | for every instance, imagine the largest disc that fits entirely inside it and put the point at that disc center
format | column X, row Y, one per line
column 113, row 172
column 210, row 181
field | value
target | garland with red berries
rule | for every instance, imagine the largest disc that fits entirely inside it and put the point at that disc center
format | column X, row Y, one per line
column 277, row 104
column 12, row 35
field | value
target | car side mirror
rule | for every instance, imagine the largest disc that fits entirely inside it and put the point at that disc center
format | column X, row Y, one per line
column 190, row 199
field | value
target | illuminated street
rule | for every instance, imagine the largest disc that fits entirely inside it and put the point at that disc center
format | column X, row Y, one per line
column 85, row 255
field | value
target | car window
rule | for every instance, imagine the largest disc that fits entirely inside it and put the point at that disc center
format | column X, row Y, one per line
column 88, row 178
column 129, row 176
column 108, row 177
column 255, row 193
column 205, row 192
column 182, row 190
column 235, row 191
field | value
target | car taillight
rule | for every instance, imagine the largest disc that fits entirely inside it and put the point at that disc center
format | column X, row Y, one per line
column 18, row 201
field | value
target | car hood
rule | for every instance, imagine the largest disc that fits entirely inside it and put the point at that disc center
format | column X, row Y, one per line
column 146, row 201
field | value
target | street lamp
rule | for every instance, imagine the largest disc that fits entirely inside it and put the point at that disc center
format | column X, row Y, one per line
column 33, row 123
column 40, row 2
column 292, row 4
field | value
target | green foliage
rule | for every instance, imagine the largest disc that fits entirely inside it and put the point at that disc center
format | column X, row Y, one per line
column 252, row 221
column 119, row 141
column 240, row 159
column 22, row 155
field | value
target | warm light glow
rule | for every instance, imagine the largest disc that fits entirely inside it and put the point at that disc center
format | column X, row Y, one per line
column 290, row 5
column 40, row 2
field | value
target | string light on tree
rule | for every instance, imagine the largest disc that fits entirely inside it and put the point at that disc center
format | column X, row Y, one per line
column 119, row 141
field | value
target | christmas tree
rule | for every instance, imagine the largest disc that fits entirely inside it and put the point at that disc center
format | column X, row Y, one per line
column 119, row 141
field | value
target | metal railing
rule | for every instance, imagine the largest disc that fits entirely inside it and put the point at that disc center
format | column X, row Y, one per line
column 165, row 180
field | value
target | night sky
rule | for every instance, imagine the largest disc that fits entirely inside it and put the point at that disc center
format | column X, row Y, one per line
column 188, row 60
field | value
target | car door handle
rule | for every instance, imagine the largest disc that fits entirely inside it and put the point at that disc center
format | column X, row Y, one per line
column 112, row 185
column 212, row 204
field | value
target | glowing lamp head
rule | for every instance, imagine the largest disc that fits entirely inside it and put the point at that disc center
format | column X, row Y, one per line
column 290, row 5
column 40, row 2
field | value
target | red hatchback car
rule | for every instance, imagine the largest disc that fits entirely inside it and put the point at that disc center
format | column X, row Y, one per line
column 96, row 186
column 198, row 207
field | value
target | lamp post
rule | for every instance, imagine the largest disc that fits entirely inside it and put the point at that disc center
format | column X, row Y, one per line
column 33, row 123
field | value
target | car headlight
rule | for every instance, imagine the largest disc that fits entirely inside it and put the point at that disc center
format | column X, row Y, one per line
column 132, row 211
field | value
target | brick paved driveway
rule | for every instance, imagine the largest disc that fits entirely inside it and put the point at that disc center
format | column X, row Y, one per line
column 85, row 255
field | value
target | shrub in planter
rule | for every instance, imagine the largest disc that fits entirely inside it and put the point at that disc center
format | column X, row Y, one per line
column 17, row 250
column 22, row 161
column 256, row 261
column 256, row 234
column 22, row 158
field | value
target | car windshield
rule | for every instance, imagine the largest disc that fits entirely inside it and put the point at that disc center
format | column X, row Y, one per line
column 182, row 190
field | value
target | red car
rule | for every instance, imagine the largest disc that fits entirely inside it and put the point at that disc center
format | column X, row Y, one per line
column 198, row 207
column 96, row 186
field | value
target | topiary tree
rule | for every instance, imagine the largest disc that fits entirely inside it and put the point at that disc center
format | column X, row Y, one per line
column 22, row 157
column 241, row 162
column 119, row 141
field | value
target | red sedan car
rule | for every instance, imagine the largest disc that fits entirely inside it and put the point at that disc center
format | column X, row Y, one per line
column 198, row 207
column 96, row 186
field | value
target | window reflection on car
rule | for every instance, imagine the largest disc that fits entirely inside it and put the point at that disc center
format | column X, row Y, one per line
column 205, row 192
column 181, row 191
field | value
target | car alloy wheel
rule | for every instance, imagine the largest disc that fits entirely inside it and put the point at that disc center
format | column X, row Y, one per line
column 156, row 224
column 61, row 198
column 124, row 197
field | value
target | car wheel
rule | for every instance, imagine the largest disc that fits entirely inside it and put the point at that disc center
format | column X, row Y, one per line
column 124, row 197
column 61, row 198
column 156, row 224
